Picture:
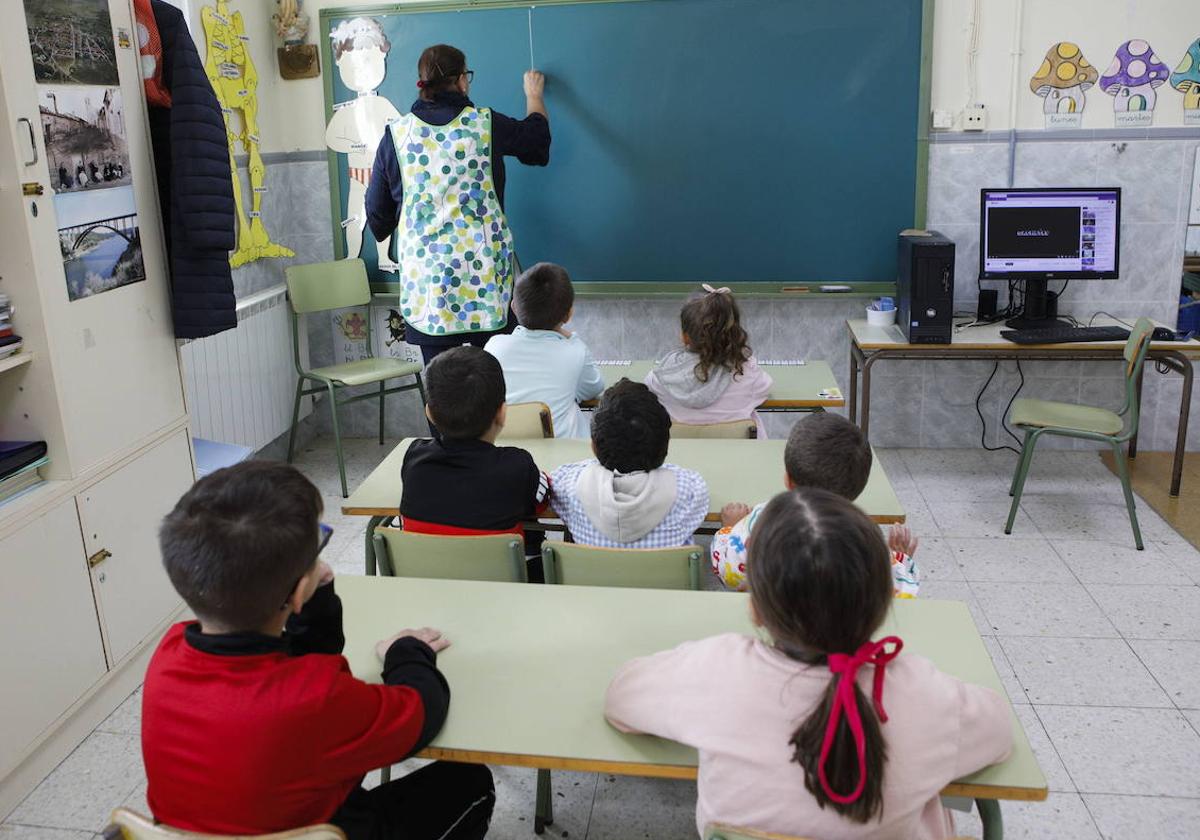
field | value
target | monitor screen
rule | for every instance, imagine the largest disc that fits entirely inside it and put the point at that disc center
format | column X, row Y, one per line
column 1050, row 234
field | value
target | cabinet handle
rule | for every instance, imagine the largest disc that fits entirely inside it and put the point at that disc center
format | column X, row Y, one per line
column 32, row 141
column 98, row 558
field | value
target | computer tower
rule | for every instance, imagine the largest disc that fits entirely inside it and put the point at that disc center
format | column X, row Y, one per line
column 925, row 288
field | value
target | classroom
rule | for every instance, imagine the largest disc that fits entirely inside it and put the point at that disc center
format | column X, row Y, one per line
column 482, row 418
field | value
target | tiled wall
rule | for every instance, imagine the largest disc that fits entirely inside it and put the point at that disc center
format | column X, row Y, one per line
column 928, row 404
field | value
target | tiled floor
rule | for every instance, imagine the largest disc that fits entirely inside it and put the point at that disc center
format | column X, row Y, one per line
column 1098, row 645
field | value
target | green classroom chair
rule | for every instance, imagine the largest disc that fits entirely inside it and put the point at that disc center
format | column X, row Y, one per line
column 527, row 420
column 641, row 568
column 1042, row 417
column 494, row 557
column 736, row 429
column 320, row 287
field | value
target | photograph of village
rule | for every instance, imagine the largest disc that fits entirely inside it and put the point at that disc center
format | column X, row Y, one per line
column 71, row 41
column 84, row 129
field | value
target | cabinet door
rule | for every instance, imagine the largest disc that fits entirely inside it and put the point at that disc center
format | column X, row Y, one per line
column 120, row 515
column 51, row 653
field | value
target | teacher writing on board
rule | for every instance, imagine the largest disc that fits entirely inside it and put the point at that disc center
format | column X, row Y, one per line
column 439, row 178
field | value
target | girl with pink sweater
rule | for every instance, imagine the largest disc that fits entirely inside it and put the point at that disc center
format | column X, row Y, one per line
column 712, row 378
column 788, row 740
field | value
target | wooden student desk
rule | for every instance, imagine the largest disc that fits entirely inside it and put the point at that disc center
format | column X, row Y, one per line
column 796, row 388
column 529, row 664
column 870, row 344
column 749, row 471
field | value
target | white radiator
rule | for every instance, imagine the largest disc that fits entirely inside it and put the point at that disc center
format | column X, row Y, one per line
column 240, row 383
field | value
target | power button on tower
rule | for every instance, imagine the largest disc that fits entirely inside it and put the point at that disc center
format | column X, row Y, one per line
column 931, row 313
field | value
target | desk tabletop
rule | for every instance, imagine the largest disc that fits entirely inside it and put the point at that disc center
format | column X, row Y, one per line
column 987, row 337
column 528, row 667
column 749, row 471
column 795, row 385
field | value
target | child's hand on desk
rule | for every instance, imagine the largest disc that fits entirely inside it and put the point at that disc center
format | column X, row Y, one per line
column 900, row 538
column 733, row 513
column 428, row 635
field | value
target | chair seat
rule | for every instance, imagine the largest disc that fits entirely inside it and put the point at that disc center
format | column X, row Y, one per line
column 1056, row 415
column 365, row 371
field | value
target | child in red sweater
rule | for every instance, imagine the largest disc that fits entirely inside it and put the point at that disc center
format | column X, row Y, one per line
column 251, row 719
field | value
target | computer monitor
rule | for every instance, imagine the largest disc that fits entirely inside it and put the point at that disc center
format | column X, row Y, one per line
column 1036, row 234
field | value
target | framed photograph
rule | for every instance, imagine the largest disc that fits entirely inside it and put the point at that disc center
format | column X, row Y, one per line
column 84, row 129
column 100, row 241
column 71, row 41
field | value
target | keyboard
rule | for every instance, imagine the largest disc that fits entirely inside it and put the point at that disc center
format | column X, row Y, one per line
column 1065, row 335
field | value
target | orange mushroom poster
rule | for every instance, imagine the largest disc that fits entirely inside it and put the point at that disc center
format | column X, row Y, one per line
column 1061, row 82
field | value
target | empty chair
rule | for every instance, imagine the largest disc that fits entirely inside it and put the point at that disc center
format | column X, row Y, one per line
column 645, row 568
column 129, row 825
column 320, row 287
column 527, row 420
column 738, row 429
column 1114, row 428
column 495, row 557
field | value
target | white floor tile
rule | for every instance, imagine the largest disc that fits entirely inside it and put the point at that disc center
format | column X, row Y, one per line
column 1079, row 519
column 918, row 518
column 629, row 808
column 953, row 590
column 1082, row 672
column 1000, row 660
column 515, row 799
column 979, row 519
column 936, row 561
column 126, row 719
column 1042, row 609
column 1151, row 612
column 1061, row 817
column 1057, row 777
column 1101, row 562
column 1193, row 716
column 1135, row 751
column 1176, row 666
column 1185, row 557
column 83, row 790
column 15, row 831
column 1009, row 559
column 1141, row 817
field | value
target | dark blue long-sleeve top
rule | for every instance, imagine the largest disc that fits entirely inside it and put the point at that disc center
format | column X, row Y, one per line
column 527, row 140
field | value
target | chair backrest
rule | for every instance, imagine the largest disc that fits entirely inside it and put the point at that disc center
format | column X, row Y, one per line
column 728, row 832
column 129, row 825
column 740, row 429
column 495, row 557
column 1135, row 356
column 527, row 420
column 317, row 287
column 641, row 568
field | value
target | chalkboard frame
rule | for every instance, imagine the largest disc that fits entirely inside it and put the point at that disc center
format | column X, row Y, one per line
column 602, row 288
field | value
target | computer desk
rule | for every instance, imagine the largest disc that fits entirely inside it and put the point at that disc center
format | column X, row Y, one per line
column 529, row 665
column 870, row 344
column 749, row 471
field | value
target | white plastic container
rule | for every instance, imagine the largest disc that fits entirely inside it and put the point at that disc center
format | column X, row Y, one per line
column 876, row 318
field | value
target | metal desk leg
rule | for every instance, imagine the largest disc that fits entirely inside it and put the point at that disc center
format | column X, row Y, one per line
column 865, row 421
column 989, row 815
column 852, row 405
column 1185, row 406
column 543, row 814
column 1133, row 441
column 372, row 523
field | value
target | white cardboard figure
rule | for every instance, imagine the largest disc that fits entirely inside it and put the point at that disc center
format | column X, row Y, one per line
column 360, row 51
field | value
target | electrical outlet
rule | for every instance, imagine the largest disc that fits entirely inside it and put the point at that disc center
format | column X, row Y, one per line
column 975, row 117
column 943, row 119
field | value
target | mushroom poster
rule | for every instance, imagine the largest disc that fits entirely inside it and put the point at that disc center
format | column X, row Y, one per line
column 1186, row 80
column 1061, row 81
column 1132, row 80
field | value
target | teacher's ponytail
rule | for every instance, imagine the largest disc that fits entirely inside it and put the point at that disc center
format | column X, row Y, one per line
column 438, row 69
column 820, row 581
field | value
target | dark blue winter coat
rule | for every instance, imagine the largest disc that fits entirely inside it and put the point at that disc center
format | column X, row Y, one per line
column 191, row 156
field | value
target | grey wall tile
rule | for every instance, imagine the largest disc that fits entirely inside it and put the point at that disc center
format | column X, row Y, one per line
column 1148, row 174
column 957, row 174
column 1068, row 164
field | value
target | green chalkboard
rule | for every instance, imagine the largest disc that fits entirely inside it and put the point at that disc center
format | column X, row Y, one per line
column 777, row 142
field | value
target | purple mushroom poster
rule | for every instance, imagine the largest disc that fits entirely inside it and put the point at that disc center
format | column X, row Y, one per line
column 1132, row 80
column 1186, row 80
column 1060, row 81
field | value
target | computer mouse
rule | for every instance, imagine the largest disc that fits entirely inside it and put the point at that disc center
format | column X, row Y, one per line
column 1163, row 334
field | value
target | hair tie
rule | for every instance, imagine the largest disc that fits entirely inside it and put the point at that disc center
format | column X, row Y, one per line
column 724, row 290
column 421, row 83
column 845, row 667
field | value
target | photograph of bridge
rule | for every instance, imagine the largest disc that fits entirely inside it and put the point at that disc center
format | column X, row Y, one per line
column 100, row 241
column 71, row 41
column 84, row 129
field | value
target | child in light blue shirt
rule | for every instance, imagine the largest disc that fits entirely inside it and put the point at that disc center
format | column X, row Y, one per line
column 541, row 359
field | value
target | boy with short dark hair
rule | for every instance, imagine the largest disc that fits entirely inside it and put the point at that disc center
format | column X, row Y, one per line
column 542, row 360
column 826, row 451
column 251, row 720
column 627, row 497
column 462, row 483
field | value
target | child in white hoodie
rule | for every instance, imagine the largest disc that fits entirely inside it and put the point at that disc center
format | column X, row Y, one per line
column 627, row 497
column 713, row 377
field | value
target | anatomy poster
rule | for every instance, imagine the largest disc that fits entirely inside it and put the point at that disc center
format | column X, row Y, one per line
column 71, row 41
column 1061, row 81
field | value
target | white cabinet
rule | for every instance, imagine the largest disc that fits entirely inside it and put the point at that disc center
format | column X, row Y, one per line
column 120, row 515
column 51, row 653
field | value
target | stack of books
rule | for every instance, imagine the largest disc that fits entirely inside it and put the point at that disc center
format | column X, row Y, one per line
column 19, row 465
column 10, row 342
